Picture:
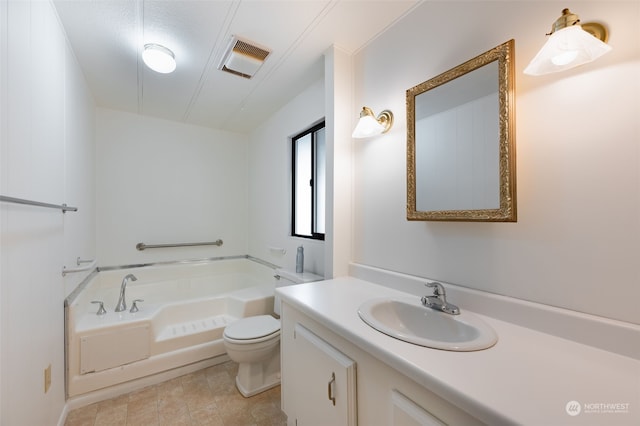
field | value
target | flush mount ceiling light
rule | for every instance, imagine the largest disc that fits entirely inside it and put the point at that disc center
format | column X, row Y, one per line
column 569, row 45
column 370, row 125
column 243, row 58
column 159, row 58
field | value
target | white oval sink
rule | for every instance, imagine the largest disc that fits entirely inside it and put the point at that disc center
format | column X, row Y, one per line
column 409, row 321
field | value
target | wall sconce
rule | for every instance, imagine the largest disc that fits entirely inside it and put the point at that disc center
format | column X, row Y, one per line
column 370, row 125
column 159, row 58
column 569, row 45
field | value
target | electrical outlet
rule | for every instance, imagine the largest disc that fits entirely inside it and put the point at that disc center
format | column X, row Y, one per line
column 47, row 378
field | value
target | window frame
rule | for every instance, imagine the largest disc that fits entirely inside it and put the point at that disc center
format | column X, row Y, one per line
column 310, row 131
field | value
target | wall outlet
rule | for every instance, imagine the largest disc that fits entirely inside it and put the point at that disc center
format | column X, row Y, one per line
column 47, row 378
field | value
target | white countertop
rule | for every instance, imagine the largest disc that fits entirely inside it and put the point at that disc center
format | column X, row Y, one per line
column 528, row 377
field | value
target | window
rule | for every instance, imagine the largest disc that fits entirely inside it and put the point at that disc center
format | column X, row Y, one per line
column 308, row 192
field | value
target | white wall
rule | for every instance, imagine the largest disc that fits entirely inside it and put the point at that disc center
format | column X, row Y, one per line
column 161, row 182
column 341, row 119
column 46, row 155
column 79, row 171
column 270, row 182
column 577, row 240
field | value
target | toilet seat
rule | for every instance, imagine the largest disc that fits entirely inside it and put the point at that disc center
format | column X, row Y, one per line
column 252, row 329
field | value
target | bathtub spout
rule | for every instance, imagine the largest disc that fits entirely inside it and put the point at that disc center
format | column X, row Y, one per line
column 122, row 304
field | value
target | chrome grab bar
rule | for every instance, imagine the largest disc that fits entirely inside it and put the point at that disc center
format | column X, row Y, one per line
column 143, row 246
column 66, row 270
column 14, row 200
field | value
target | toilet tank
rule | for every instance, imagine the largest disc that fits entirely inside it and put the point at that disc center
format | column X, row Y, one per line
column 285, row 277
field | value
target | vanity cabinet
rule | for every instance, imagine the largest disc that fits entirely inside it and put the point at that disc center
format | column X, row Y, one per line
column 366, row 390
column 320, row 381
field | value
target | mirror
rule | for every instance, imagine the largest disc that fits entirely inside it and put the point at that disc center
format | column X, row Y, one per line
column 461, row 142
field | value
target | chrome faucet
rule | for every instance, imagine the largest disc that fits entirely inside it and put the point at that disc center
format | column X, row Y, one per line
column 122, row 304
column 438, row 300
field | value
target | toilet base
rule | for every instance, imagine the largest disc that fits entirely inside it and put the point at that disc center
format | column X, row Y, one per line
column 256, row 377
column 265, row 387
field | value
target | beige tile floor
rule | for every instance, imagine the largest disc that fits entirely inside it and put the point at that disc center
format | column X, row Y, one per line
column 206, row 397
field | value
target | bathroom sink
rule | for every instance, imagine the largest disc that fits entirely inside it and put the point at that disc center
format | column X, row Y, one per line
column 407, row 320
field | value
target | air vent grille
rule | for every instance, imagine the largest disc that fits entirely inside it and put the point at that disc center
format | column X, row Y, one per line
column 243, row 58
column 245, row 48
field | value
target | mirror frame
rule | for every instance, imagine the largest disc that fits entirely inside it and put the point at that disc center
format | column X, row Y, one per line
column 507, row 211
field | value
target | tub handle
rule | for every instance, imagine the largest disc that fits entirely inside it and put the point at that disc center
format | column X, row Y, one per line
column 101, row 309
column 134, row 306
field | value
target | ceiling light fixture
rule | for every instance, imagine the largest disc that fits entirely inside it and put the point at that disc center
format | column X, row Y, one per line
column 570, row 44
column 370, row 125
column 159, row 58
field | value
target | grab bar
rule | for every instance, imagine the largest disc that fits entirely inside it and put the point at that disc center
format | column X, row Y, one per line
column 62, row 207
column 66, row 270
column 142, row 246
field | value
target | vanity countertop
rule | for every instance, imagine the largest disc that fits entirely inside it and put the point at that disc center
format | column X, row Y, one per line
column 528, row 377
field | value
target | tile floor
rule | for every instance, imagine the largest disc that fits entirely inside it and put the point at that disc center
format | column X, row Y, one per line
column 206, row 397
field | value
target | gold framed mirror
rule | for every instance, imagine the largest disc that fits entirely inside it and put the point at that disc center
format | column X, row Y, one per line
column 461, row 160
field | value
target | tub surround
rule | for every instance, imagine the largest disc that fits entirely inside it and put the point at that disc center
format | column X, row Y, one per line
column 528, row 377
column 180, row 321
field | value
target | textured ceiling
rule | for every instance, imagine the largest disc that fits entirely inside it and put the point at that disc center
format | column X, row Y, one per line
column 107, row 37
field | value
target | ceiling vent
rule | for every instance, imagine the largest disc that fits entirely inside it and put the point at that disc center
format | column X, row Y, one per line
column 243, row 58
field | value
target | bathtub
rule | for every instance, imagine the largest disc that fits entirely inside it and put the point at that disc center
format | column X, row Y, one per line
column 180, row 322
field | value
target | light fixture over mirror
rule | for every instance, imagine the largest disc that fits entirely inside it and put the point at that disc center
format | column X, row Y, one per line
column 370, row 125
column 159, row 58
column 570, row 44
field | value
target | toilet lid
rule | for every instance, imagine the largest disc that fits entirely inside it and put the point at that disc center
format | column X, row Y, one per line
column 252, row 327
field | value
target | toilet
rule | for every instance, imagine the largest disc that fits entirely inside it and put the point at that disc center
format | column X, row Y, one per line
column 254, row 342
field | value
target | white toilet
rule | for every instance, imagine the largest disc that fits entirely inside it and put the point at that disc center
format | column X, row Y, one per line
column 254, row 342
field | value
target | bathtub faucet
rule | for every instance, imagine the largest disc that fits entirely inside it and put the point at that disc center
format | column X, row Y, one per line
column 122, row 304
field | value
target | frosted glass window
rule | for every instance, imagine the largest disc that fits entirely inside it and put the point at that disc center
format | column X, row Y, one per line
column 308, row 191
column 303, row 186
column 319, row 193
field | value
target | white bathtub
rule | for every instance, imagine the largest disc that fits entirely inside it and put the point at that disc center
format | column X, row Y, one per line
column 181, row 321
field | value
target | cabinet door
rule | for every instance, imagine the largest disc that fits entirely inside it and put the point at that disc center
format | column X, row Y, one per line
column 407, row 413
column 324, row 382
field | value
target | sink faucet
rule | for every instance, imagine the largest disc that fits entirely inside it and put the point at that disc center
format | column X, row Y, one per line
column 122, row 304
column 438, row 300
